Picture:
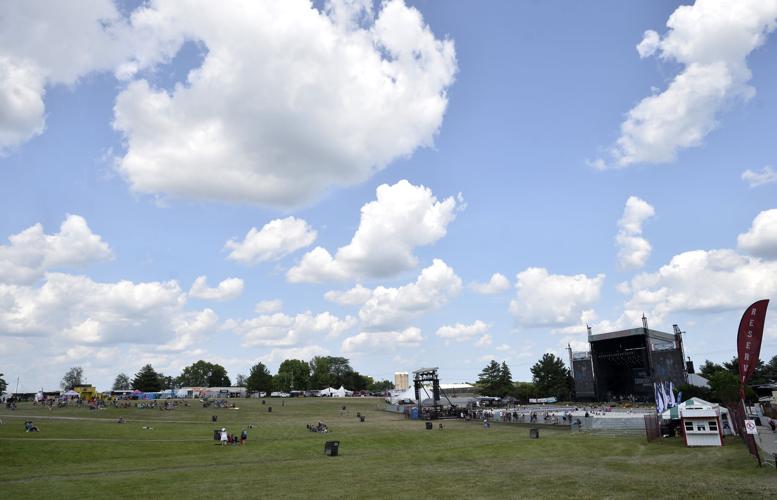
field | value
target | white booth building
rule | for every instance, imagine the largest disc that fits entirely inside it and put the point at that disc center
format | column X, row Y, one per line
column 701, row 425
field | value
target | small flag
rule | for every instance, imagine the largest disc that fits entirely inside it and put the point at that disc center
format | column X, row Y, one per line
column 659, row 399
column 671, row 403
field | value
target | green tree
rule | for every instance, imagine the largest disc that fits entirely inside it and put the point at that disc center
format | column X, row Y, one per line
column 725, row 387
column 298, row 372
column 330, row 371
column 381, row 386
column 166, row 381
column 708, row 369
column 240, row 380
column 320, row 376
column 72, row 378
column 259, row 379
column 281, row 382
column 355, row 381
column 341, row 370
column 770, row 369
column 3, row 384
column 759, row 375
column 522, row 391
column 203, row 374
column 505, row 380
column 122, row 382
column 692, row 391
column 147, row 380
column 552, row 378
column 490, row 379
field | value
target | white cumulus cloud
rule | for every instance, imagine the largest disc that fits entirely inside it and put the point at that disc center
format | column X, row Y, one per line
column 230, row 288
column 702, row 281
column 497, row 284
column 32, row 252
column 283, row 330
column 461, row 332
column 403, row 216
column 712, row 40
column 353, row 297
column 288, row 102
column 393, row 308
column 766, row 175
column 633, row 249
column 83, row 311
column 275, row 240
column 761, row 239
column 269, row 306
column 553, row 299
column 382, row 341
column 43, row 44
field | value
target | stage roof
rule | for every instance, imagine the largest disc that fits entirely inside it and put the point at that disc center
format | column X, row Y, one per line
column 630, row 332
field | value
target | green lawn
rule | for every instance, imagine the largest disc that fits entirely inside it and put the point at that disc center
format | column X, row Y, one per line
column 90, row 455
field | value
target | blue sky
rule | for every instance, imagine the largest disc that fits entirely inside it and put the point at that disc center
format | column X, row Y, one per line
column 605, row 159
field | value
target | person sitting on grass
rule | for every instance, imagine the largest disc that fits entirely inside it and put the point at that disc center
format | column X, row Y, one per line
column 30, row 427
column 243, row 437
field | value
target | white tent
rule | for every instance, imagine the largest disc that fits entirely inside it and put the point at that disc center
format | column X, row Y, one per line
column 406, row 395
column 326, row 392
column 339, row 393
column 72, row 394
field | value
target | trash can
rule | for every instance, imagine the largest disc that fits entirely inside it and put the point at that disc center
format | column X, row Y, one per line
column 429, row 426
column 534, row 433
column 331, row 447
column 361, row 418
column 217, row 435
column 214, row 418
column 269, row 409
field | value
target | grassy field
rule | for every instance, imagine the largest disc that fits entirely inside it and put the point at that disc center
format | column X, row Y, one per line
column 82, row 453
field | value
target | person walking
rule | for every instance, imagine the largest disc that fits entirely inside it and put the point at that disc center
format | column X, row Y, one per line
column 223, row 436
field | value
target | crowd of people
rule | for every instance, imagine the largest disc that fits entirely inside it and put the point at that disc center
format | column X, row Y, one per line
column 319, row 427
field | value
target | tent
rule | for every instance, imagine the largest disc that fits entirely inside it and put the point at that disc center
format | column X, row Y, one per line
column 335, row 393
column 71, row 394
column 673, row 413
column 404, row 396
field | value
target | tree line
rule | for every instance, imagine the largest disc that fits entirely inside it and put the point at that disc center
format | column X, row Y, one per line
column 723, row 380
column 293, row 374
column 550, row 378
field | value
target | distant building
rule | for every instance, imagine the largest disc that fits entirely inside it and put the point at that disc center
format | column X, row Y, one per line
column 401, row 381
column 625, row 364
